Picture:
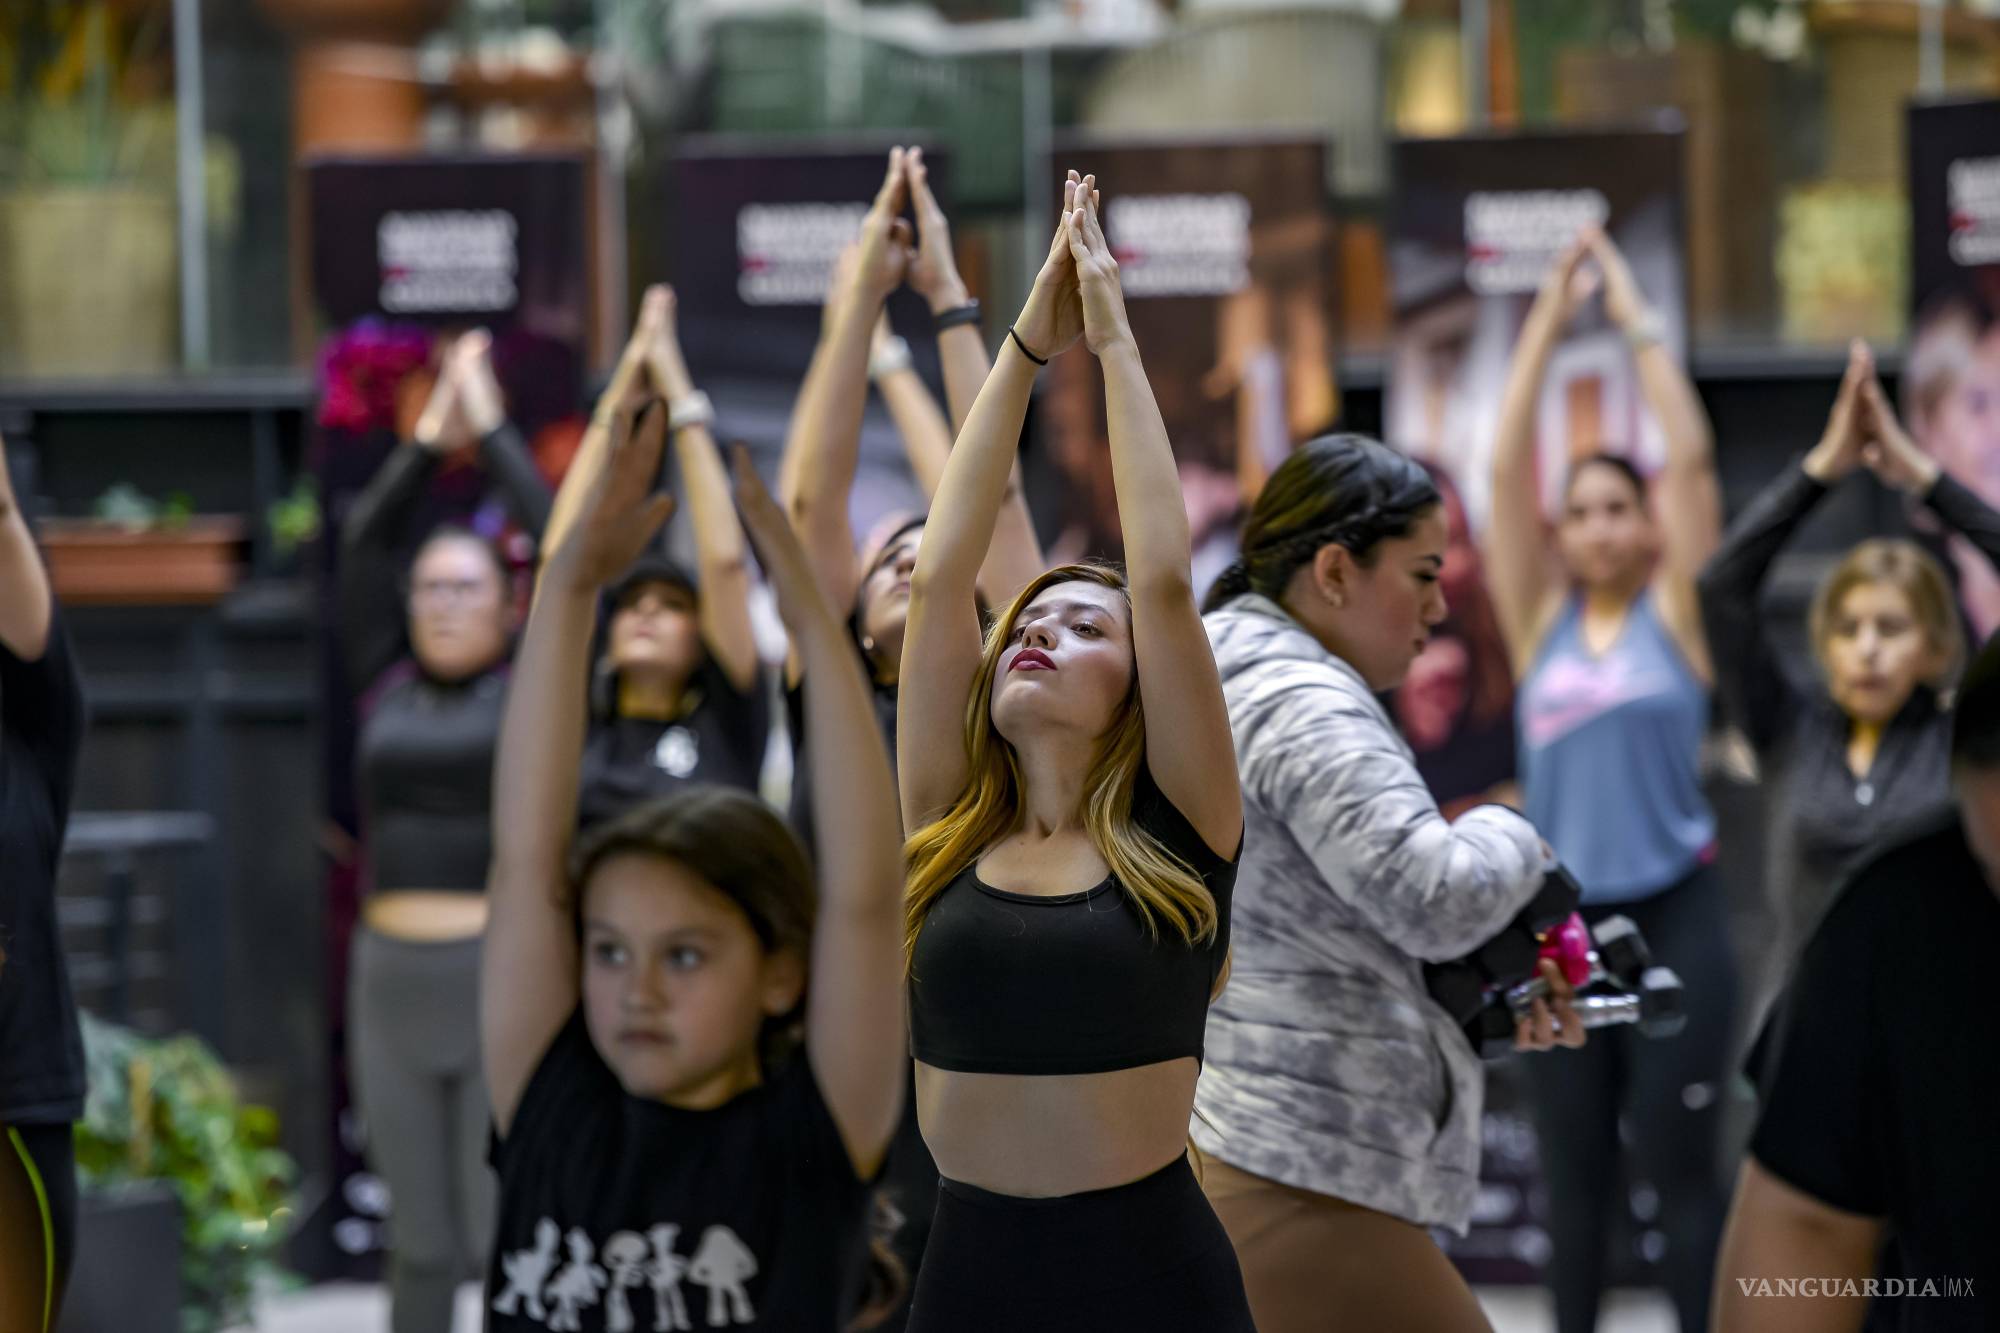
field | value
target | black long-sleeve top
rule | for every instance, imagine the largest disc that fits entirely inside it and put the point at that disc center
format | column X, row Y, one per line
column 1822, row 817
column 425, row 754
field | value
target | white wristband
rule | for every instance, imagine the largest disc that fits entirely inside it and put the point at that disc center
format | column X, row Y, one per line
column 694, row 409
column 1646, row 331
column 893, row 355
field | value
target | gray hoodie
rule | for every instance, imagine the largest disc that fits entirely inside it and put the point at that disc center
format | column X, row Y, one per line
column 1328, row 1065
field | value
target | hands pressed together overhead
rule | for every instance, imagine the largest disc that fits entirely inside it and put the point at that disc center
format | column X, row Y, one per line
column 1863, row 431
column 1590, row 265
column 1076, row 294
column 890, row 253
column 466, row 403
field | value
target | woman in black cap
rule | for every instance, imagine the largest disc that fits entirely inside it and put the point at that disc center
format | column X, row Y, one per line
column 678, row 696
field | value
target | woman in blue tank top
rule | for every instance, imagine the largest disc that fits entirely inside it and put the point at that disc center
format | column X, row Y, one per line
column 1605, row 636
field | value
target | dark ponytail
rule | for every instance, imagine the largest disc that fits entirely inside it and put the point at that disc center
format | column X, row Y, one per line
column 1345, row 490
column 886, row 1283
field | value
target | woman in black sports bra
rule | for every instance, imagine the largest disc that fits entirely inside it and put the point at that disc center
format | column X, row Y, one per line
column 1070, row 870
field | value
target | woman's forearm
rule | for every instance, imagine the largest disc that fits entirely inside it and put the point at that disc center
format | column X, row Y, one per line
column 540, row 752
column 1151, row 511
column 975, row 479
column 962, row 357
column 722, row 555
column 823, row 449
column 512, row 465
column 925, row 433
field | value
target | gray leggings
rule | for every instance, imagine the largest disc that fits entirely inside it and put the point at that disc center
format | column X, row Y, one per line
column 413, row 1025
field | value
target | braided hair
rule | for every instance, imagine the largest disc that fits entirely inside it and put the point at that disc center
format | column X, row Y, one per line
column 1344, row 490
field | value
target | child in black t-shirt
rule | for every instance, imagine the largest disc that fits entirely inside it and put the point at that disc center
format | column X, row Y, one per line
column 670, row 1156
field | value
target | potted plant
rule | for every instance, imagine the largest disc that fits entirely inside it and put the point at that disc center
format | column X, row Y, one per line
column 88, row 255
column 138, row 551
column 166, row 1110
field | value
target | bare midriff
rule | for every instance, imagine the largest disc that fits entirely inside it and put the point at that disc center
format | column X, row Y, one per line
column 1042, row 1135
column 426, row 915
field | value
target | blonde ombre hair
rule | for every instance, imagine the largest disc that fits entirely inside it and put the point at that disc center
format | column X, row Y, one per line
column 1905, row 566
column 1160, row 884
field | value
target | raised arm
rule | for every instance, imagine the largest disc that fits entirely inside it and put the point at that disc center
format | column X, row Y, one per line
column 1898, row 463
column 501, row 447
column 630, row 380
column 723, row 570
column 1758, row 694
column 823, row 442
column 1524, row 581
column 1436, row 890
column 941, row 637
column 1189, row 749
column 855, row 1034
column 529, row 959
column 372, row 615
column 1015, row 554
column 1686, row 496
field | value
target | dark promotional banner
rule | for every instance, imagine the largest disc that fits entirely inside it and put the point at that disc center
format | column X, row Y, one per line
column 1225, row 254
column 1475, row 225
column 757, row 227
column 456, row 241
column 1951, row 381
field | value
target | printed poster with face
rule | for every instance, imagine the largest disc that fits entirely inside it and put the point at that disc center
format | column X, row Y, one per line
column 405, row 253
column 1950, row 386
column 1225, row 249
column 1475, row 225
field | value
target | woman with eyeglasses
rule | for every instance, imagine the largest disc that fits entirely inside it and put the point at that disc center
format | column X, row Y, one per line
column 432, row 669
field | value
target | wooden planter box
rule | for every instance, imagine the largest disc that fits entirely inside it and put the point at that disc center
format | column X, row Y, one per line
column 104, row 564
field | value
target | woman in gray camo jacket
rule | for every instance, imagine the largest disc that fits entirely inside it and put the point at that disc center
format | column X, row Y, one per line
column 1338, row 1110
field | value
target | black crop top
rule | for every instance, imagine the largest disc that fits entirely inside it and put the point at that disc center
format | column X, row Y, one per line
column 1010, row 983
column 426, row 768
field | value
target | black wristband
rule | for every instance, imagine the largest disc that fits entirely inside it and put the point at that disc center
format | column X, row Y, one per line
column 957, row 315
column 1038, row 360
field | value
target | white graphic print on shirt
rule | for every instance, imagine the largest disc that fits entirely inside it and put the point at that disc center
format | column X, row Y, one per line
column 576, row 1286
column 721, row 1263
column 670, row 1312
column 678, row 751
column 527, row 1270
column 625, row 1256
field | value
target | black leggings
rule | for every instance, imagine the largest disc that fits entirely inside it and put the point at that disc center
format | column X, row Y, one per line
column 910, row 1183
column 37, row 1223
column 1669, row 1094
column 1149, row 1257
